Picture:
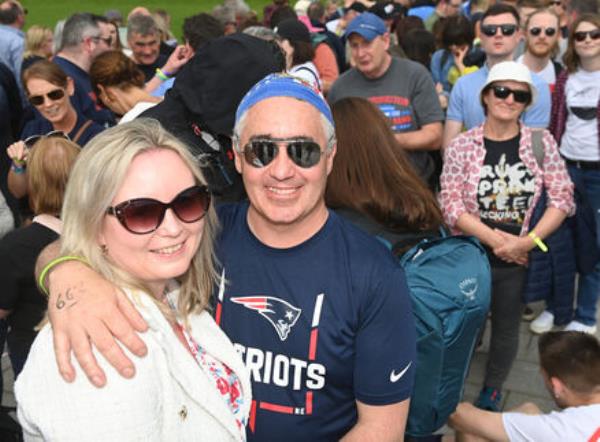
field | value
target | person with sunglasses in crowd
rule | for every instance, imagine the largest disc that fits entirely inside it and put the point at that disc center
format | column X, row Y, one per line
column 138, row 212
column 558, row 7
column 574, row 124
column 318, row 309
column 49, row 163
column 48, row 89
column 541, row 45
column 84, row 36
column 500, row 34
column 491, row 182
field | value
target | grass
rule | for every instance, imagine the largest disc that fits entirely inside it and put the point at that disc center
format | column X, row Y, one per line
column 48, row 12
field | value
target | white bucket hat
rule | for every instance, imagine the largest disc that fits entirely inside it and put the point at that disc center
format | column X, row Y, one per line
column 301, row 7
column 510, row 71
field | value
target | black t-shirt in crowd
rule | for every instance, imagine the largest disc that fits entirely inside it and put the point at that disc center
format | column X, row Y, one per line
column 19, row 250
column 506, row 187
column 149, row 70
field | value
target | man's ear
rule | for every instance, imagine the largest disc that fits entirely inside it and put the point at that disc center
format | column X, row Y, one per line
column 386, row 39
column 237, row 158
column 330, row 157
column 558, row 387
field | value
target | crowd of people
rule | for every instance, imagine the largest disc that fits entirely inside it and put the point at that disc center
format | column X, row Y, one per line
column 210, row 215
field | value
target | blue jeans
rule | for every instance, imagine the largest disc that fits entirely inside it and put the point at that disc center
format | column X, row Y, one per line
column 588, row 182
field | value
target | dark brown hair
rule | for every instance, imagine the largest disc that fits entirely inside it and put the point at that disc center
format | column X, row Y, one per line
column 373, row 176
column 113, row 68
column 499, row 9
column 48, row 168
column 406, row 24
column 573, row 357
column 45, row 70
column 303, row 52
column 457, row 30
column 118, row 44
column 571, row 58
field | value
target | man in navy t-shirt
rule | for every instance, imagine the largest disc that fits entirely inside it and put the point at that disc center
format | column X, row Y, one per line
column 85, row 36
column 324, row 327
column 318, row 310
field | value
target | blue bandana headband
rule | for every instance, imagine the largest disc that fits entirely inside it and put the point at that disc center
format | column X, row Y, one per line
column 283, row 85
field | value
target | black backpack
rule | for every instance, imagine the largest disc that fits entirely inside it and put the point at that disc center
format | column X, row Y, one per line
column 200, row 108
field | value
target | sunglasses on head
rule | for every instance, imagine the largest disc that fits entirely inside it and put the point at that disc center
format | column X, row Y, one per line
column 145, row 215
column 30, row 141
column 537, row 31
column 502, row 92
column 38, row 100
column 490, row 30
column 304, row 153
column 584, row 113
column 582, row 35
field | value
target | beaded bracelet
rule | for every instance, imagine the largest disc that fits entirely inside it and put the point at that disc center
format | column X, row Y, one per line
column 54, row 263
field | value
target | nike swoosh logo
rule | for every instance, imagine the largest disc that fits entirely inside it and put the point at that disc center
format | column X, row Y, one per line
column 395, row 377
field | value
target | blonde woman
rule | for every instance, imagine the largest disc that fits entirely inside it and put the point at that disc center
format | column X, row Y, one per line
column 138, row 211
column 49, row 164
column 39, row 42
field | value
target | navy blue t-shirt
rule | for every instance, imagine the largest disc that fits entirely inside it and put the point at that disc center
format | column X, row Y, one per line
column 84, row 99
column 319, row 325
column 41, row 126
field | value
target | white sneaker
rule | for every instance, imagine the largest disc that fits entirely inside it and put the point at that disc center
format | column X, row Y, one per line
column 543, row 323
column 578, row 326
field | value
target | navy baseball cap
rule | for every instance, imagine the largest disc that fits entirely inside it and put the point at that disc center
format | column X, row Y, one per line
column 367, row 25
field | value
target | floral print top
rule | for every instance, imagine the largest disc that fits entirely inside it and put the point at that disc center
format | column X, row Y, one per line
column 226, row 381
column 463, row 161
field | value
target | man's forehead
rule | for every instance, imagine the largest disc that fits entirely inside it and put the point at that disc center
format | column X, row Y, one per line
column 148, row 38
column 277, row 112
column 358, row 39
column 500, row 19
column 542, row 18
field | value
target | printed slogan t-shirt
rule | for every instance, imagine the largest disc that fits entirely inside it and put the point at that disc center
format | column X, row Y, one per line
column 506, row 186
column 319, row 326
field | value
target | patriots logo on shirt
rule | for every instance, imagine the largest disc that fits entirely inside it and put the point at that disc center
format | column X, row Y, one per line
column 281, row 314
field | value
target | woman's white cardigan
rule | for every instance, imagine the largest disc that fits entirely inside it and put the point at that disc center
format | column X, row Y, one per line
column 169, row 399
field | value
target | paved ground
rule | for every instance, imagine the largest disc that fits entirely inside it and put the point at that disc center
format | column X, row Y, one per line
column 523, row 384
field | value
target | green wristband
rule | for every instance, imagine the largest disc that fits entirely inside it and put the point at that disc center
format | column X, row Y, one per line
column 54, row 263
column 161, row 75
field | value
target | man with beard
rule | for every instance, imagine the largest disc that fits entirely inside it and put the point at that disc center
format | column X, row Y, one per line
column 541, row 43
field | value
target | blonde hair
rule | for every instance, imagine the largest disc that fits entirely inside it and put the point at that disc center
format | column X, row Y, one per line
column 34, row 40
column 95, row 180
column 48, row 167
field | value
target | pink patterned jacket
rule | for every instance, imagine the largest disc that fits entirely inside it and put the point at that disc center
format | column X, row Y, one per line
column 463, row 160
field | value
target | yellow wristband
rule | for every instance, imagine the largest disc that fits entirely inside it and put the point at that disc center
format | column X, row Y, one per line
column 538, row 241
column 54, row 263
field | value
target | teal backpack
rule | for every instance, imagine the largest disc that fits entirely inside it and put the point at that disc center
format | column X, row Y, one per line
column 450, row 284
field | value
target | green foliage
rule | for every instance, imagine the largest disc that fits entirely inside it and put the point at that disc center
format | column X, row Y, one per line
column 48, row 12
